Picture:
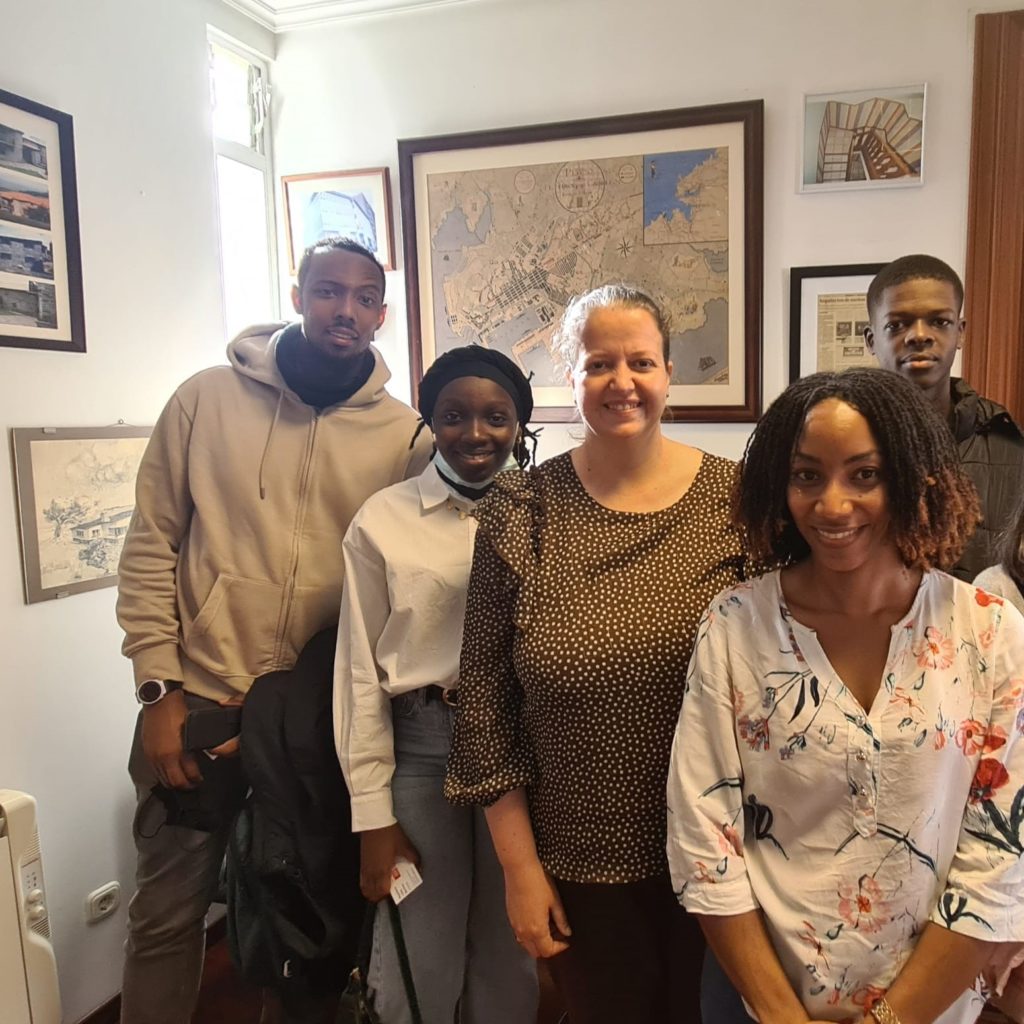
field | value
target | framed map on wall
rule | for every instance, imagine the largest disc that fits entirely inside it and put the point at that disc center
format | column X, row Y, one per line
column 503, row 227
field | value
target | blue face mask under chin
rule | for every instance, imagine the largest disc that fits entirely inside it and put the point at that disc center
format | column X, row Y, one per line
column 477, row 485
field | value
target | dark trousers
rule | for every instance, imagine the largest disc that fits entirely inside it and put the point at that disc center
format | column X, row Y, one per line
column 720, row 1003
column 634, row 956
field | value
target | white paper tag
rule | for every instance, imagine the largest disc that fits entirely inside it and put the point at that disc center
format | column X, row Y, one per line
column 405, row 878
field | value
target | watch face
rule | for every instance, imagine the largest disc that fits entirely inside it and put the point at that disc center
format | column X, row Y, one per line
column 150, row 691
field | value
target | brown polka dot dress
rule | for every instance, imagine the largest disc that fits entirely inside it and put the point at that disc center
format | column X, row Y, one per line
column 579, row 625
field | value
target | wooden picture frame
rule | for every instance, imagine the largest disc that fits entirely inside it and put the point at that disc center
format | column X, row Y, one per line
column 502, row 227
column 76, row 495
column 41, row 302
column 863, row 139
column 827, row 316
column 356, row 204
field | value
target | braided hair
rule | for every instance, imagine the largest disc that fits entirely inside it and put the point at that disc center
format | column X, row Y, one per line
column 489, row 363
column 933, row 506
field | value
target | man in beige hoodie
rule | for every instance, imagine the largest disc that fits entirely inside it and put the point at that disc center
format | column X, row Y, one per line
column 232, row 562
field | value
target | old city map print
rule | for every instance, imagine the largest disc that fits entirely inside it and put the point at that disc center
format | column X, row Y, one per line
column 510, row 246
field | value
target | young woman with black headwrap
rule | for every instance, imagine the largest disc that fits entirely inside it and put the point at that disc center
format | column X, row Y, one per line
column 407, row 559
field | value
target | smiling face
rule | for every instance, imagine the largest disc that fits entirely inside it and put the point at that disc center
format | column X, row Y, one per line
column 916, row 330
column 474, row 426
column 837, row 492
column 341, row 302
column 620, row 379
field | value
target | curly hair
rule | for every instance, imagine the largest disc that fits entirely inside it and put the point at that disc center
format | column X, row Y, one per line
column 933, row 506
column 568, row 338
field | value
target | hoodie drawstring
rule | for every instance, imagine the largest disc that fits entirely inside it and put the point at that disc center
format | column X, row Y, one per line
column 266, row 446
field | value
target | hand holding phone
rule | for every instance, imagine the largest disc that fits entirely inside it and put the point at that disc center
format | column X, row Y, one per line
column 206, row 728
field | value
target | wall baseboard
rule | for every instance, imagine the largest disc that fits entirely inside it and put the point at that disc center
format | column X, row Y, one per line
column 110, row 1011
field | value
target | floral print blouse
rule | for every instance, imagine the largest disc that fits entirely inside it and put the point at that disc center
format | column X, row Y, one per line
column 851, row 829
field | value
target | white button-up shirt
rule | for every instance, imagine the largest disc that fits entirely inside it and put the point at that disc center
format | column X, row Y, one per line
column 407, row 557
column 852, row 828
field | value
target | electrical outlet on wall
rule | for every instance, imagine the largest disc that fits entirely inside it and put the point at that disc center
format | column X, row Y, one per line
column 102, row 902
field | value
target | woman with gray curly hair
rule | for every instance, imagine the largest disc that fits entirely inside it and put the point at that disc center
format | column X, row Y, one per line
column 589, row 576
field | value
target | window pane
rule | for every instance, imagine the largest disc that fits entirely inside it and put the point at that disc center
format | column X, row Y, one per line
column 232, row 113
column 245, row 247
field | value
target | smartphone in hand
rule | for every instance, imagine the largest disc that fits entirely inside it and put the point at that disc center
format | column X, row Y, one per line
column 206, row 728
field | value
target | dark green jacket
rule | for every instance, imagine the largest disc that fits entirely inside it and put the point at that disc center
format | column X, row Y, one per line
column 992, row 449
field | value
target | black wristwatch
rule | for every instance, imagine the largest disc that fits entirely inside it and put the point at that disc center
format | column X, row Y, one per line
column 150, row 691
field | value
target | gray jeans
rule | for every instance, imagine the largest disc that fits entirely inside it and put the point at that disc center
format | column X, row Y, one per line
column 176, row 880
column 462, row 952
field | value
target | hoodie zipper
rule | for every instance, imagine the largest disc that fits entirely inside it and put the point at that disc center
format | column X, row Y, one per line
column 300, row 519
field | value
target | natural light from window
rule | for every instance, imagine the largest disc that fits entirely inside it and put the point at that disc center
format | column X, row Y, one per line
column 238, row 93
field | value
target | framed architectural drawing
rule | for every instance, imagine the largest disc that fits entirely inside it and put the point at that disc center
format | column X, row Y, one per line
column 356, row 204
column 76, row 495
column 873, row 138
column 502, row 228
column 40, row 255
column 828, row 312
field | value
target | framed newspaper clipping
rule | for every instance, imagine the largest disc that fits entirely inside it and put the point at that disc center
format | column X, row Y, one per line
column 503, row 227
column 828, row 312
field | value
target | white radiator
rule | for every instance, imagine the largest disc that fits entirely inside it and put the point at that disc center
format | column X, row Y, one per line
column 29, row 993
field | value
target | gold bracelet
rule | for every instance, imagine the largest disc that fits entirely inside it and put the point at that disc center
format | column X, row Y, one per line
column 884, row 1013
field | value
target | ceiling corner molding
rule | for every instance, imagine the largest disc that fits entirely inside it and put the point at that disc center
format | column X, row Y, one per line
column 282, row 15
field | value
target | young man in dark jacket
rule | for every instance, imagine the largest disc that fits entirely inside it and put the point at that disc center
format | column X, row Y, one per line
column 916, row 329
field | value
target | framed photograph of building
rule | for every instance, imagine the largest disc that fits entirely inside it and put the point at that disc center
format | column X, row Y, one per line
column 76, row 495
column 872, row 138
column 503, row 227
column 828, row 312
column 40, row 253
column 356, row 204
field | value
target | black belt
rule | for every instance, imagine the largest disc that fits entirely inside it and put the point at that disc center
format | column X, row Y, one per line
column 443, row 694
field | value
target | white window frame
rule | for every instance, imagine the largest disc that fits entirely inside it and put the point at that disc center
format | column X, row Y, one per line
column 258, row 157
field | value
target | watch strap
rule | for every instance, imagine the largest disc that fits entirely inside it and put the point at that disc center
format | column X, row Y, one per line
column 152, row 691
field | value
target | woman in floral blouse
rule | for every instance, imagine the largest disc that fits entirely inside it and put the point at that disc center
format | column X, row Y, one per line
column 846, row 793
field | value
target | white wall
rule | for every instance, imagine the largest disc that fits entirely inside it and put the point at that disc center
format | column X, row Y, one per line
column 346, row 92
column 133, row 75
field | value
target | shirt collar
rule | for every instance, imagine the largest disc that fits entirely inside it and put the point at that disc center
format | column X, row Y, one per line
column 434, row 491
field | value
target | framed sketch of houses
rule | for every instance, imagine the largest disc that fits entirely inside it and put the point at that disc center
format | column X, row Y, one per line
column 356, row 204
column 40, row 255
column 872, row 138
column 76, row 495
column 503, row 227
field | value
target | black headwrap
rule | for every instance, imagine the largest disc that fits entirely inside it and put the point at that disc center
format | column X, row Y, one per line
column 478, row 361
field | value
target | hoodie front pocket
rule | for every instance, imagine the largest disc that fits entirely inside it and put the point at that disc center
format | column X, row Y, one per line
column 235, row 631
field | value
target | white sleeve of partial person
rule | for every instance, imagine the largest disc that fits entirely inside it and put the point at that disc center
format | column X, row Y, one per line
column 362, row 709
column 982, row 890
